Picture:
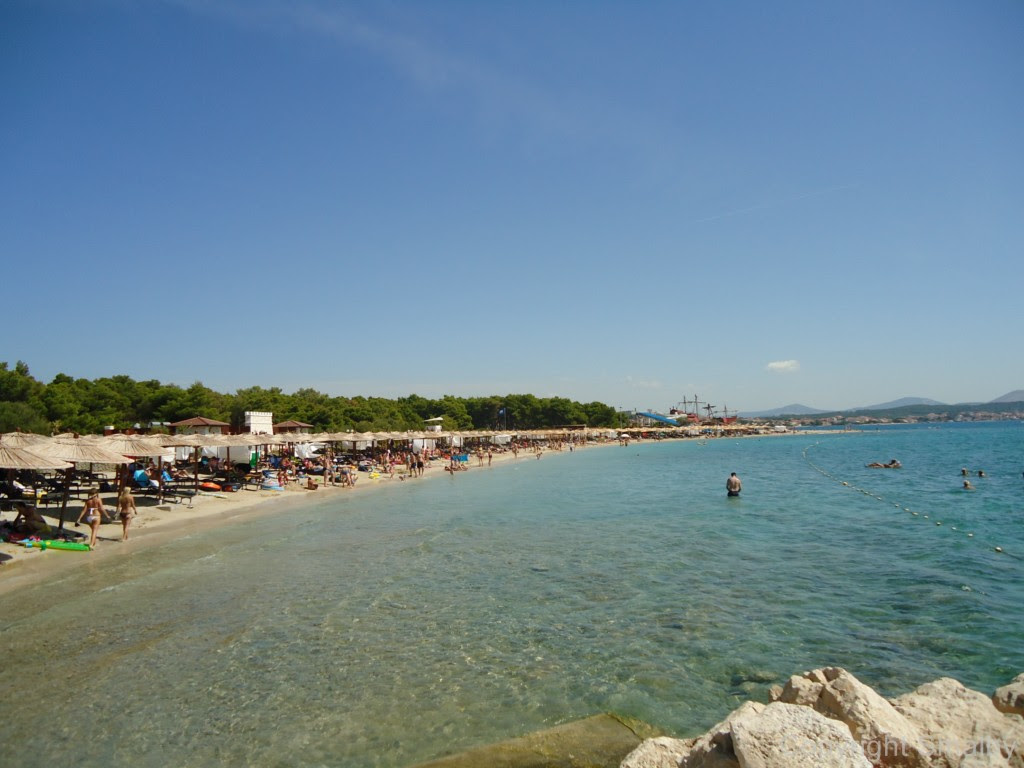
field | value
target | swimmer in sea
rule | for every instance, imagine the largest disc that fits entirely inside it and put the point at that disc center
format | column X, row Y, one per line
column 968, row 486
column 733, row 486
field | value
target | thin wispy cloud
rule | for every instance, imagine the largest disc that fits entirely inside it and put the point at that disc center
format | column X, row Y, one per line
column 643, row 383
column 783, row 366
column 498, row 97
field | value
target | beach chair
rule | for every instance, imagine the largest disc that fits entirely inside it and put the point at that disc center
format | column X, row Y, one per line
column 142, row 483
column 253, row 481
column 176, row 492
column 11, row 491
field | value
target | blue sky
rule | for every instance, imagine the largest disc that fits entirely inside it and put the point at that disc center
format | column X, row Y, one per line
column 763, row 203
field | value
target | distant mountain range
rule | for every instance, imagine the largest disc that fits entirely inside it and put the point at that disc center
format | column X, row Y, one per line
column 1017, row 396
column 789, row 410
column 898, row 404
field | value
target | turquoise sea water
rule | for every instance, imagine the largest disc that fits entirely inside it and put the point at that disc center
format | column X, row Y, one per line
column 432, row 616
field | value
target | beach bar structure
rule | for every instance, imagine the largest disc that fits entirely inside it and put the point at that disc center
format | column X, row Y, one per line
column 292, row 427
column 200, row 425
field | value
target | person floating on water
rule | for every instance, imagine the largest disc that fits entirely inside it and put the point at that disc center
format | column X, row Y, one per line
column 894, row 464
column 733, row 486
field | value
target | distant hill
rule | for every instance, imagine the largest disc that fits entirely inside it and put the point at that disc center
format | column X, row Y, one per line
column 786, row 410
column 904, row 407
column 1017, row 396
column 898, row 404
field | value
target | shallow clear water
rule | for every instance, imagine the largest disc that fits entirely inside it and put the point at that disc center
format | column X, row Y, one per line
column 428, row 617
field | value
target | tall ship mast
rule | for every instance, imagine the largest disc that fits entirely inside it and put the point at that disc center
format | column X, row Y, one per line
column 696, row 410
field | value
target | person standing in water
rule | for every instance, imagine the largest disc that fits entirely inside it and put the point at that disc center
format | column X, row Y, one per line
column 733, row 486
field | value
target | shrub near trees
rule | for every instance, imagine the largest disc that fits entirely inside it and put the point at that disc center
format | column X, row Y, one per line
column 86, row 406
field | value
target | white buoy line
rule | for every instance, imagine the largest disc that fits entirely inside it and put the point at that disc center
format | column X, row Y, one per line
column 896, row 504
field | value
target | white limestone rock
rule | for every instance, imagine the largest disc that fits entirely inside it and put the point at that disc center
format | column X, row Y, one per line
column 794, row 736
column 962, row 727
column 778, row 735
column 715, row 749
column 802, row 690
column 660, row 752
column 885, row 736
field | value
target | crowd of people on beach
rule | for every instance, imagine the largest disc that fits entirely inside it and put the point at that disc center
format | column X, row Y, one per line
column 25, row 491
column 279, row 471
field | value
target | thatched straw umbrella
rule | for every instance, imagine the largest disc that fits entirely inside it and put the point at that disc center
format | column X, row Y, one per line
column 136, row 446
column 13, row 458
column 24, row 458
column 77, row 451
column 193, row 441
column 20, row 439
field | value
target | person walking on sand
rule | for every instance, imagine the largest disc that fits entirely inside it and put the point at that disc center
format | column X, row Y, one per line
column 126, row 510
column 94, row 512
column 733, row 486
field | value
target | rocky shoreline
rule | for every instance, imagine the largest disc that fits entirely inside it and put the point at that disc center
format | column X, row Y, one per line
column 827, row 717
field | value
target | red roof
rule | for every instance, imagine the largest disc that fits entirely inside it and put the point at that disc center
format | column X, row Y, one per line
column 292, row 424
column 200, row 421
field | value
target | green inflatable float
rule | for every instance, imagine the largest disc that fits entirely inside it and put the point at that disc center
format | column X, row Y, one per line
column 56, row 544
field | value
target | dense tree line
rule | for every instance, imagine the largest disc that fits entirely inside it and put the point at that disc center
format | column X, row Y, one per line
column 87, row 406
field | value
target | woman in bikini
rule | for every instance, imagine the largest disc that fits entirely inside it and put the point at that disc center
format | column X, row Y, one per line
column 94, row 512
column 126, row 510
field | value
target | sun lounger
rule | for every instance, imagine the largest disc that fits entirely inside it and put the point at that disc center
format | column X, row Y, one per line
column 178, row 491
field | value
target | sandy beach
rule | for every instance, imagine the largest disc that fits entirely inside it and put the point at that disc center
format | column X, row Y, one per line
column 157, row 523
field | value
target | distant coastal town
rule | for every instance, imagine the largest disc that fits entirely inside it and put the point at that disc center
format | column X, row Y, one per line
column 906, row 415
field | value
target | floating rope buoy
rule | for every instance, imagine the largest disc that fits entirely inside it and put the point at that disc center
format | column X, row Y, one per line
column 866, row 492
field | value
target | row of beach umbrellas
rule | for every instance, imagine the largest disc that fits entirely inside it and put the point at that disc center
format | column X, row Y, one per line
column 24, row 450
